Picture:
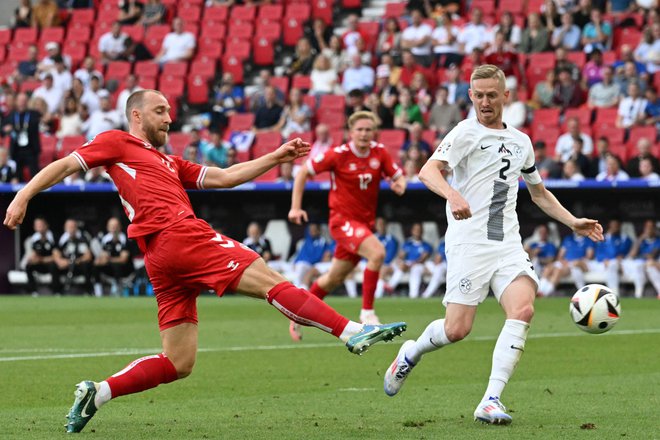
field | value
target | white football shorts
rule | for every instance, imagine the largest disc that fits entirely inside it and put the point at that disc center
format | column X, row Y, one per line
column 474, row 269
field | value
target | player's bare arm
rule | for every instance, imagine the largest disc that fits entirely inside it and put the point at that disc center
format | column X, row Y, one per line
column 298, row 215
column 246, row 171
column 431, row 176
column 399, row 185
column 49, row 176
column 549, row 204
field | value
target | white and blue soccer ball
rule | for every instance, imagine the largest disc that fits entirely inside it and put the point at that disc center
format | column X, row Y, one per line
column 595, row 308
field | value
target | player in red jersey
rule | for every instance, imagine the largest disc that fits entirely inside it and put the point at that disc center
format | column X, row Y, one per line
column 182, row 253
column 356, row 169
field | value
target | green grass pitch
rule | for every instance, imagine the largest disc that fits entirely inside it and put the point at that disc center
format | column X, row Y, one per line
column 252, row 382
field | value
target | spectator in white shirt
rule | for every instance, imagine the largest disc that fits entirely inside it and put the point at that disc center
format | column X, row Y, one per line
column 613, row 171
column 112, row 45
column 358, row 76
column 91, row 96
column 324, row 77
column 646, row 170
column 177, row 45
column 62, row 78
column 631, row 108
column 564, row 146
column 417, row 38
column 49, row 93
column 571, row 171
column 352, row 34
column 70, row 121
column 103, row 119
column 445, row 42
column 474, row 34
column 131, row 85
column 514, row 112
column 52, row 50
column 86, row 71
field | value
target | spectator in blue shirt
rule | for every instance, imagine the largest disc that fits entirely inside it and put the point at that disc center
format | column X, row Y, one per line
column 311, row 250
column 567, row 35
column 542, row 252
column 597, row 34
column 412, row 257
column 652, row 110
column 391, row 245
column 642, row 257
column 438, row 270
column 573, row 255
column 228, row 100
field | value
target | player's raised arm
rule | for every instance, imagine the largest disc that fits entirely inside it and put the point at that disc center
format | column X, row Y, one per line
column 49, row 176
column 431, row 176
column 549, row 204
column 246, row 171
column 298, row 215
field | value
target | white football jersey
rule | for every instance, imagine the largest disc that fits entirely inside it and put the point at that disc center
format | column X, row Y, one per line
column 487, row 165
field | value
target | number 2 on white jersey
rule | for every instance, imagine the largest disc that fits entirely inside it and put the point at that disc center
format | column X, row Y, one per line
column 365, row 180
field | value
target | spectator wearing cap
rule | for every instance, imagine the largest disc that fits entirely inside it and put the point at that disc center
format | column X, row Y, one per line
column 631, row 108
column 45, row 14
column 567, row 35
column 53, row 50
column 104, row 119
column 643, row 152
column 597, row 33
column 177, row 45
column 112, row 45
column 393, row 69
column 49, row 93
column 358, row 76
column 382, row 78
column 417, row 39
column 535, row 38
column 604, row 94
column 445, row 42
column 474, row 34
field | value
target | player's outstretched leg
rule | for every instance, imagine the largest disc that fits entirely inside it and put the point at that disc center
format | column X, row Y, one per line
column 83, row 408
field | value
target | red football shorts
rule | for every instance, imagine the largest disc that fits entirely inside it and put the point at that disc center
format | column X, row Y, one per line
column 348, row 235
column 187, row 257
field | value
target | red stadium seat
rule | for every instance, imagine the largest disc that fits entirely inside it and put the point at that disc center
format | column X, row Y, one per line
column 17, row 53
column 393, row 141
column 626, row 35
column 213, row 30
column 147, row 82
column 136, row 32
column 146, row 69
column 243, row 13
column 335, row 120
column 337, row 137
column 515, row 7
column 179, row 141
column 5, row 36
column 322, row 9
column 549, row 135
column 25, row 36
column 614, row 135
column 306, row 136
column 293, row 31
column 272, row 31
column 153, row 38
column 263, row 53
column 545, row 60
column 190, row 13
column 609, row 57
column 239, row 49
column 171, row 85
column 281, row 83
column 198, row 89
column 265, row 143
column 578, row 58
column 193, row 28
column 48, row 150
column 204, row 67
column 216, row 13
column 118, row 70
column 70, row 144
column 173, row 99
column 82, row 16
column 395, row 10
column 370, row 31
column 351, row 4
column 430, row 137
column 240, row 122
column 302, row 82
column 269, row 176
column 637, row 133
column 80, row 34
column 606, row 116
column 234, row 65
column 55, row 34
column 546, row 117
column 299, row 11
column 175, row 68
column 209, row 48
column 241, row 30
column 486, row 6
column 270, row 12
column 582, row 113
column 332, row 102
column 534, row 6
column 3, row 53
column 28, row 86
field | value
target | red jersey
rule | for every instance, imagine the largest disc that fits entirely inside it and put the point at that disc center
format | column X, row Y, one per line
column 355, row 179
column 150, row 184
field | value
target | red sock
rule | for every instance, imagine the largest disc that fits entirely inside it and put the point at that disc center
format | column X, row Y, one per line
column 317, row 291
column 369, row 282
column 142, row 374
column 306, row 309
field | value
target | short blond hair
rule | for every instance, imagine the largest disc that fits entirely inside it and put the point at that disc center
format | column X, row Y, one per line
column 486, row 71
column 362, row 115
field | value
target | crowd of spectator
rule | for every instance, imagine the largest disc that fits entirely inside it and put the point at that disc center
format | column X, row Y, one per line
column 413, row 73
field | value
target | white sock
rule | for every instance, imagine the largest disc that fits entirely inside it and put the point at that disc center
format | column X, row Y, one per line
column 578, row 277
column 508, row 349
column 351, row 329
column 351, row 288
column 433, row 338
column 103, row 394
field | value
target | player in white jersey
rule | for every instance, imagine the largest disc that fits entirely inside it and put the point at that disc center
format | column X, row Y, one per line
column 483, row 245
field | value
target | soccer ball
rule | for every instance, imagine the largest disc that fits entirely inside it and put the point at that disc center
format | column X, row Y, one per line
column 595, row 308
